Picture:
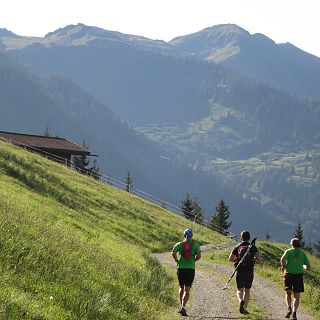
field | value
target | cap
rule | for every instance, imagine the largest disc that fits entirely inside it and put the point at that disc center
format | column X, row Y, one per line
column 188, row 233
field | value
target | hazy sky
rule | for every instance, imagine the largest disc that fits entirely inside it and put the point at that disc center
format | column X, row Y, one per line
column 295, row 21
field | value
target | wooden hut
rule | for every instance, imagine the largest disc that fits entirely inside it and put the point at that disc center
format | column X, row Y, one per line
column 57, row 149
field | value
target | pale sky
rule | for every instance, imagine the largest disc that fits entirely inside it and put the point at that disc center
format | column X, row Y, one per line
column 295, row 21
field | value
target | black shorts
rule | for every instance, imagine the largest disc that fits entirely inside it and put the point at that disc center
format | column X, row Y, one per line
column 185, row 277
column 244, row 279
column 293, row 282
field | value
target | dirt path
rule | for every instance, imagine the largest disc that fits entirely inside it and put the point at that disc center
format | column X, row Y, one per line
column 208, row 301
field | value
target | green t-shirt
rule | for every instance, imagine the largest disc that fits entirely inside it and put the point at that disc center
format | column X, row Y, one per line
column 187, row 263
column 295, row 259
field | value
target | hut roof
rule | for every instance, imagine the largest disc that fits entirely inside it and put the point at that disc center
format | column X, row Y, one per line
column 43, row 142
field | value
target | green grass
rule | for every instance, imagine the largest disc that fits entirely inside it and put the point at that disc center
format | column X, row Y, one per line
column 75, row 248
column 270, row 269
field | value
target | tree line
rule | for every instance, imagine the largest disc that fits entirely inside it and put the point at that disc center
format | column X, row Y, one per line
column 219, row 220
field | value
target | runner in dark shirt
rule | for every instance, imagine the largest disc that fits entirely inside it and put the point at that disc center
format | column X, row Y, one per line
column 244, row 277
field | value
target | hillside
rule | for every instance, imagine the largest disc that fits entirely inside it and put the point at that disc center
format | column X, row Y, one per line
column 72, row 247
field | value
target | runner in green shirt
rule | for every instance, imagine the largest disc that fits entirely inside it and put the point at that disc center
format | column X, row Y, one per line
column 293, row 263
column 186, row 253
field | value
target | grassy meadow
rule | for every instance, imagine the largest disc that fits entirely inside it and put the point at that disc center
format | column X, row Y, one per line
column 271, row 253
column 75, row 248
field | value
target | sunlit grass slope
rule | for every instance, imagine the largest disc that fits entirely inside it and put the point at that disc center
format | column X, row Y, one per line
column 271, row 253
column 75, row 248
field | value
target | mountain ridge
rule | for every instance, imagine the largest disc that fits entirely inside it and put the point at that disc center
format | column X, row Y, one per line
column 234, row 48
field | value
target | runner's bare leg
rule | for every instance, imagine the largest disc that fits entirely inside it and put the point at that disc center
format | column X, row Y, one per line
column 296, row 301
column 186, row 294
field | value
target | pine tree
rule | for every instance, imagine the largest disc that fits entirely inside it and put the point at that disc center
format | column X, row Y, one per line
column 129, row 182
column 317, row 247
column 81, row 162
column 198, row 213
column 187, row 206
column 268, row 236
column 94, row 171
column 299, row 234
column 47, row 133
column 220, row 218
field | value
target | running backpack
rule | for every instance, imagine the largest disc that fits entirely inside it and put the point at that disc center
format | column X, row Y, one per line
column 248, row 260
column 187, row 247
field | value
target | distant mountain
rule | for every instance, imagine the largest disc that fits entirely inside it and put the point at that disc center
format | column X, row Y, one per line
column 6, row 33
column 280, row 65
column 258, row 142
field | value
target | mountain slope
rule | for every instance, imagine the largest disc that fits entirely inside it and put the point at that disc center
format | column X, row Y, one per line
column 72, row 247
column 201, row 115
column 279, row 65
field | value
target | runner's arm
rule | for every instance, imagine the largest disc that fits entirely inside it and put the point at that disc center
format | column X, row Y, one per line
column 233, row 257
column 198, row 256
column 306, row 267
column 257, row 257
column 306, row 264
column 283, row 262
column 175, row 256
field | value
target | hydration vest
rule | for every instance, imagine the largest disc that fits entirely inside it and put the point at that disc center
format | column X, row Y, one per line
column 187, row 247
column 248, row 260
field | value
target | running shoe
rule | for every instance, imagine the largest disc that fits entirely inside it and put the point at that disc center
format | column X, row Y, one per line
column 241, row 308
column 183, row 312
column 294, row 316
column 288, row 314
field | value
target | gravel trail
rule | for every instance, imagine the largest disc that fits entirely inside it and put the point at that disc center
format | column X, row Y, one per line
column 208, row 301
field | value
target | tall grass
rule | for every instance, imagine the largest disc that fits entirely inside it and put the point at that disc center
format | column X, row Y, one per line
column 74, row 248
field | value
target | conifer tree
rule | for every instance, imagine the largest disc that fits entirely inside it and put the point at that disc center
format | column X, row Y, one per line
column 317, row 247
column 187, row 206
column 129, row 182
column 94, row 171
column 47, row 133
column 81, row 162
column 299, row 234
column 198, row 213
column 220, row 218
column 268, row 236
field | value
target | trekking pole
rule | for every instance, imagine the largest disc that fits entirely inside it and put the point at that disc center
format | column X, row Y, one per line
column 239, row 263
